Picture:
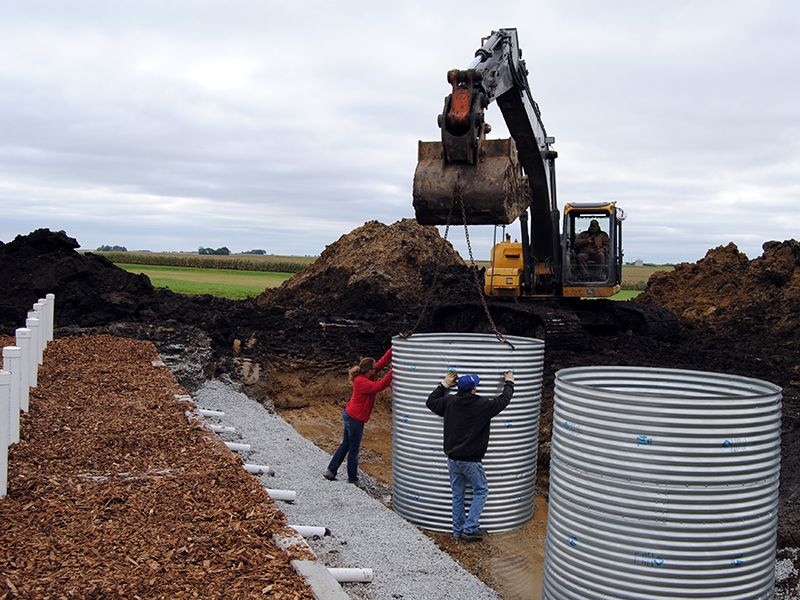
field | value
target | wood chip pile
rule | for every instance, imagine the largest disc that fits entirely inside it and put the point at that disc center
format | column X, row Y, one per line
column 113, row 493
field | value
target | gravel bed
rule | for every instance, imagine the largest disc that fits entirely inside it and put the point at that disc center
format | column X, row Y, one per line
column 364, row 532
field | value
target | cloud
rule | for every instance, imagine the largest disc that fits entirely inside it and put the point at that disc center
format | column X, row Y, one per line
column 177, row 124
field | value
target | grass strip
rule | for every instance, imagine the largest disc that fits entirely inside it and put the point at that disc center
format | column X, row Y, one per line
column 232, row 284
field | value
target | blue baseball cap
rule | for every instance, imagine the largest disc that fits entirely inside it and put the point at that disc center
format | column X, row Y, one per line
column 466, row 383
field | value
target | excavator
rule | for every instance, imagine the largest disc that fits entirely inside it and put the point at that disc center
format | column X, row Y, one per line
column 467, row 179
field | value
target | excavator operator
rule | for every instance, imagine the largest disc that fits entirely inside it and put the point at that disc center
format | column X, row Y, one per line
column 592, row 246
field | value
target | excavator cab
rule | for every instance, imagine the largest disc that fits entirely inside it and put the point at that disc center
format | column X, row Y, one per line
column 592, row 249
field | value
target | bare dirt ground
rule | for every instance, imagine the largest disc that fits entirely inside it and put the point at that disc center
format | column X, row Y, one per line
column 726, row 313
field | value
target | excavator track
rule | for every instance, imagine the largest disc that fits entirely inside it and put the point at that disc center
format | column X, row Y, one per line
column 561, row 323
column 558, row 328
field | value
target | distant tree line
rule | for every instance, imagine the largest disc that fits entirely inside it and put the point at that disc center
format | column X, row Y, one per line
column 112, row 249
column 218, row 252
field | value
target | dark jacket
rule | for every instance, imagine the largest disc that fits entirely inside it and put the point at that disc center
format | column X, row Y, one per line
column 600, row 241
column 466, row 420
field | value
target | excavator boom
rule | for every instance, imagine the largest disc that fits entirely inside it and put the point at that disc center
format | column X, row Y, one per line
column 496, row 181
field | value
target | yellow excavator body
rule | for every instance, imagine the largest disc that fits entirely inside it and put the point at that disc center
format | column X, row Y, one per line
column 504, row 277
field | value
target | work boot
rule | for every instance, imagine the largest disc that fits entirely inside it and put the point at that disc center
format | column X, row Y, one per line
column 478, row 534
column 329, row 476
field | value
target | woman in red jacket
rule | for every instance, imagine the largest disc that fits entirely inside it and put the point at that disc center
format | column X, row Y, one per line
column 357, row 413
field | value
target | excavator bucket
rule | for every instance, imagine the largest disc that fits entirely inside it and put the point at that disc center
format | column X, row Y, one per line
column 494, row 192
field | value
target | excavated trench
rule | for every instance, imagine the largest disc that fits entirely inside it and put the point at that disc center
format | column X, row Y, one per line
column 291, row 346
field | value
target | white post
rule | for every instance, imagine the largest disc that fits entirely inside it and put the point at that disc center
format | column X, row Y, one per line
column 12, row 361
column 32, row 324
column 38, row 312
column 43, row 324
column 5, row 393
column 25, row 342
column 51, row 313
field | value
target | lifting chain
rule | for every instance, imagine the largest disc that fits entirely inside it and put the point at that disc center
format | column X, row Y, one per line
column 474, row 269
column 429, row 295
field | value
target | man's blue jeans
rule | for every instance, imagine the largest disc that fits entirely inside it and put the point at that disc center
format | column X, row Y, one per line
column 462, row 472
column 350, row 446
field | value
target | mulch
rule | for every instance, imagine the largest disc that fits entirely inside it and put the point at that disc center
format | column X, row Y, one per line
column 114, row 493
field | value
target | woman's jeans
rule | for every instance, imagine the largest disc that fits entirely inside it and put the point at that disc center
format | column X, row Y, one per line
column 351, row 445
column 461, row 472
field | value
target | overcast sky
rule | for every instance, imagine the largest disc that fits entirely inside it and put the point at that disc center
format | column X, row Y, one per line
column 168, row 125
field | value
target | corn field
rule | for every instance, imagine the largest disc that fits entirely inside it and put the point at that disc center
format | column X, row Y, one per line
column 203, row 262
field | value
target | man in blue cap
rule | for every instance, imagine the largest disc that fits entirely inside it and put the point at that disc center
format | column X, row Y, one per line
column 466, row 437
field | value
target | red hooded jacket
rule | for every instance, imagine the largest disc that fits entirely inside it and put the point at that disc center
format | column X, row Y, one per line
column 365, row 390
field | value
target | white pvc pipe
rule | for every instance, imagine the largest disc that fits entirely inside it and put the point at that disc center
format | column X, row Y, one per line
column 51, row 313
column 12, row 361
column 5, row 396
column 284, row 495
column 309, row 531
column 210, row 413
column 258, row 469
column 238, row 447
column 221, row 429
column 291, row 541
column 25, row 342
column 351, row 575
column 38, row 313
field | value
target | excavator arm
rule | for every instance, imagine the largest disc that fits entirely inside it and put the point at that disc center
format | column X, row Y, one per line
column 496, row 180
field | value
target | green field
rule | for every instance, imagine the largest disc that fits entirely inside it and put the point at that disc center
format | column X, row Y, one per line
column 236, row 285
column 625, row 294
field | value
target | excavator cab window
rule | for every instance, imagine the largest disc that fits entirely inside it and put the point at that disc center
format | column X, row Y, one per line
column 590, row 242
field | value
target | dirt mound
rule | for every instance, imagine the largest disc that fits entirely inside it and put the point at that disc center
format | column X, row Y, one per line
column 90, row 290
column 376, row 268
column 727, row 292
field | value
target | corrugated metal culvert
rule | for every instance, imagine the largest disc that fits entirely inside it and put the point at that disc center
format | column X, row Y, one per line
column 419, row 466
column 663, row 484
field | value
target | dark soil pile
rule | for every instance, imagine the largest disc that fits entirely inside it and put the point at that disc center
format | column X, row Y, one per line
column 749, row 309
column 729, row 294
column 90, row 290
column 114, row 494
column 376, row 269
